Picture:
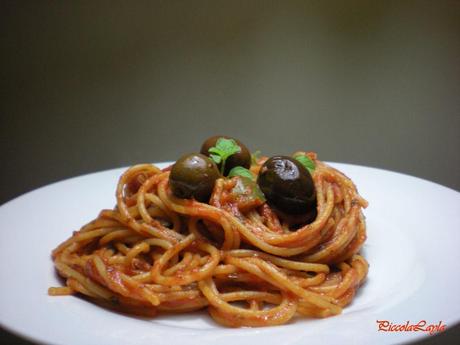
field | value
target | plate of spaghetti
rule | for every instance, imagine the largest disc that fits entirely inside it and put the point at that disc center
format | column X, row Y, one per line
column 227, row 245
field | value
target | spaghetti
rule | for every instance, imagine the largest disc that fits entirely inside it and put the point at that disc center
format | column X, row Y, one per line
column 246, row 263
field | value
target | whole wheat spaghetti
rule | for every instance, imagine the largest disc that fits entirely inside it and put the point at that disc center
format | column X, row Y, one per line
column 246, row 264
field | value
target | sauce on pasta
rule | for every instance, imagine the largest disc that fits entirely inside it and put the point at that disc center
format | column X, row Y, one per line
column 235, row 253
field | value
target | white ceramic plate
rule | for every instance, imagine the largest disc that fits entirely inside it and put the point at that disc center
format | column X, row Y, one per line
column 413, row 250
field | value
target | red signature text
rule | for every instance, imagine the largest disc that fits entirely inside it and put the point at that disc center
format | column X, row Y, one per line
column 421, row 326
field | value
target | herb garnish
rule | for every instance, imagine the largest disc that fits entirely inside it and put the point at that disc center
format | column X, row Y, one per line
column 224, row 148
column 248, row 189
column 306, row 162
column 241, row 171
column 255, row 156
column 246, row 185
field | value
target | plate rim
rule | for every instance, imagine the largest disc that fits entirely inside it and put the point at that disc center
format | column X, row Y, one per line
column 113, row 170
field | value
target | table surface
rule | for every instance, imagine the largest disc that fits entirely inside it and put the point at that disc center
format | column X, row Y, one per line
column 89, row 87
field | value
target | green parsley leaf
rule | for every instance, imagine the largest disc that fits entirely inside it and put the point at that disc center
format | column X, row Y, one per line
column 216, row 158
column 240, row 187
column 306, row 162
column 249, row 189
column 255, row 156
column 257, row 192
column 224, row 148
column 241, row 171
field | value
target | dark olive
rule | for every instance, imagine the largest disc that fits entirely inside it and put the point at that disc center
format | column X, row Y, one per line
column 287, row 185
column 193, row 175
column 242, row 158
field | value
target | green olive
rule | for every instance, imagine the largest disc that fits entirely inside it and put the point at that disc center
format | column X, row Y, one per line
column 242, row 158
column 287, row 185
column 193, row 176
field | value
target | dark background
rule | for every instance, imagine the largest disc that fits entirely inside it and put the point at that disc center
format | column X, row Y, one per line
column 90, row 86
